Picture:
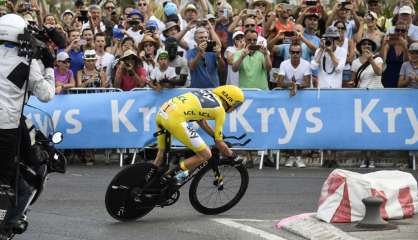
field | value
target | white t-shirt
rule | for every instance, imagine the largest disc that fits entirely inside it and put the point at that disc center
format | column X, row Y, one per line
column 137, row 36
column 368, row 79
column 106, row 60
column 332, row 76
column 96, row 30
column 288, row 71
column 233, row 77
column 158, row 75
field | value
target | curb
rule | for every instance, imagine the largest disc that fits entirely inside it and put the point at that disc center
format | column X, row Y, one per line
column 309, row 227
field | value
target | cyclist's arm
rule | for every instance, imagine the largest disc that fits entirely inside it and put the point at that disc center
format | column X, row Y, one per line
column 205, row 126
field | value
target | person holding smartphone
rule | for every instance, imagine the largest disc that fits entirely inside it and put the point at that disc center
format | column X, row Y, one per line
column 204, row 64
column 253, row 63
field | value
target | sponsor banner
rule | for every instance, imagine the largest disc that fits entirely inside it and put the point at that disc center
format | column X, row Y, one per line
column 329, row 119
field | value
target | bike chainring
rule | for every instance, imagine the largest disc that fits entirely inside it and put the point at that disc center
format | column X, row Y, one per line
column 170, row 200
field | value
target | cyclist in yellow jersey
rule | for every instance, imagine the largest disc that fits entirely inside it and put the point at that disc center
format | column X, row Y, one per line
column 199, row 106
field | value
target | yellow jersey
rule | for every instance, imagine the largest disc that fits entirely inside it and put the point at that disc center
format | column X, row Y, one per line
column 195, row 106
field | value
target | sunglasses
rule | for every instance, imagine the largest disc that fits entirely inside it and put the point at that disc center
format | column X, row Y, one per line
column 249, row 25
column 400, row 30
column 90, row 60
column 148, row 45
column 366, row 44
column 110, row 7
column 142, row 4
column 65, row 61
column 341, row 28
column 294, row 52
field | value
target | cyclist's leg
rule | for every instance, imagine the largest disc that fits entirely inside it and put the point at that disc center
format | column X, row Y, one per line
column 191, row 139
column 160, row 142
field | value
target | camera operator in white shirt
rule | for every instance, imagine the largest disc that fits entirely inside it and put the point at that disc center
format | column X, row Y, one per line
column 330, row 60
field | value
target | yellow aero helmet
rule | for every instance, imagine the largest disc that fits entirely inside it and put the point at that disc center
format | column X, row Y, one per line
column 231, row 94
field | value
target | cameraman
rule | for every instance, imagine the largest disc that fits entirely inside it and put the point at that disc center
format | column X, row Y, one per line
column 16, row 73
column 330, row 60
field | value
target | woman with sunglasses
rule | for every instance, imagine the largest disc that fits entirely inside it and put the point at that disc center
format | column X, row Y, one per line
column 64, row 77
column 148, row 49
column 89, row 76
column 348, row 45
column 394, row 52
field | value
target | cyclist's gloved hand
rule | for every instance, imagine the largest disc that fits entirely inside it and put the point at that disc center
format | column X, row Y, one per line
column 47, row 58
column 235, row 158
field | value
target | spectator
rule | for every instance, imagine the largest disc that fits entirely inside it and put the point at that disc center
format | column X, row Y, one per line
column 310, row 23
column 172, row 29
column 264, row 6
column 130, row 72
column 67, row 18
column 151, row 28
column 204, row 60
column 74, row 51
column 250, row 24
column 164, row 76
column 370, row 30
column 408, row 76
column 394, row 52
column 95, row 20
column 64, row 77
column 381, row 21
column 405, row 16
column 348, row 46
column 90, row 76
column 295, row 73
column 135, row 26
column 104, row 59
column 177, row 61
column 146, row 10
column 283, row 22
column 239, row 43
column 88, row 39
column 148, row 52
column 341, row 12
column 330, row 60
column 187, row 33
column 253, row 63
column 223, row 20
column 368, row 68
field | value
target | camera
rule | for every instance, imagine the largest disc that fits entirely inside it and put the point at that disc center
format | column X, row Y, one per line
column 254, row 47
column 202, row 23
column 328, row 42
column 151, row 29
column 289, row 34
column 210, row 46
column 310, row 2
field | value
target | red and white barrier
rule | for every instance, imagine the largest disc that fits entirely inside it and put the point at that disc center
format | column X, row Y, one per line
column 342, row 192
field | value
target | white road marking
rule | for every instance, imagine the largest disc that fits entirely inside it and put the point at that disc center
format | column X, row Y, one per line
column 232, row 223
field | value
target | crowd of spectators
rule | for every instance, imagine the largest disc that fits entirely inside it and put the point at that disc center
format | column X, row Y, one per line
column 203, row 44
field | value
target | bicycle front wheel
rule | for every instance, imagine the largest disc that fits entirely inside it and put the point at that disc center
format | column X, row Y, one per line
column 210, row 196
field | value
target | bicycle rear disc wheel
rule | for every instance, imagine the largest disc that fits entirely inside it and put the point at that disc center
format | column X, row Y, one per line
column 209, row 198
column 121, row 201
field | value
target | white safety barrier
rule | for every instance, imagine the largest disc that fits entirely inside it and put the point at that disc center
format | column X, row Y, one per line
column 343, row 191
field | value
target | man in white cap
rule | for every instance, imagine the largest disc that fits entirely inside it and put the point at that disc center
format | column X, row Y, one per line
column 408, row 76
column 406, row 14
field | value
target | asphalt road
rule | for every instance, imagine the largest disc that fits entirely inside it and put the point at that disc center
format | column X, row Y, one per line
column 72, row 208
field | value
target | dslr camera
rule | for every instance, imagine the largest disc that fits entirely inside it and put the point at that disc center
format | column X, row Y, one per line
column 328, row 42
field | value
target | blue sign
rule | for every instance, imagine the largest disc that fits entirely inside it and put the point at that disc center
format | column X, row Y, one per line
column 329, row 119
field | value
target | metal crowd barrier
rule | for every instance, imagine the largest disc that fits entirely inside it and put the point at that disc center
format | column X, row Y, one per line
column 91, row 90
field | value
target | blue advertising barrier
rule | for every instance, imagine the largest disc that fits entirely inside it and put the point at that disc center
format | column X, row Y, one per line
column 334, row 119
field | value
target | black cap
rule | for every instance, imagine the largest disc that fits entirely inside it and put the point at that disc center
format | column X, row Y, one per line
column 79, row 2
column 173, row 18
